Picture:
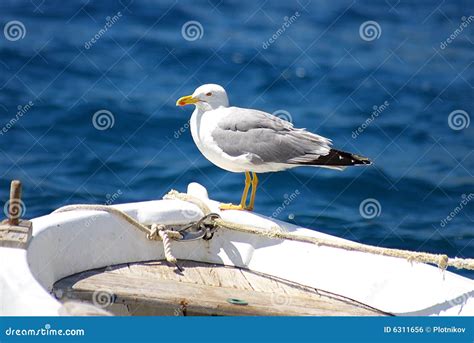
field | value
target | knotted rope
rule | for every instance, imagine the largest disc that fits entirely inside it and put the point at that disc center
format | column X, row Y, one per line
column 441, row 260
column 164, row 234
column 156, row 232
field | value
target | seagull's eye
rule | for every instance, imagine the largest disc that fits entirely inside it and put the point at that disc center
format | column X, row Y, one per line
column 208, row 94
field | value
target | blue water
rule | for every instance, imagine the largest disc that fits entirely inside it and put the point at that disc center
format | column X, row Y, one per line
column 319, row 70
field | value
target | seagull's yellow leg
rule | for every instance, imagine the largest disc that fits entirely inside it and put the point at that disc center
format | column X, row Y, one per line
column 243, row 200
column 248, row 181
column 254, row 191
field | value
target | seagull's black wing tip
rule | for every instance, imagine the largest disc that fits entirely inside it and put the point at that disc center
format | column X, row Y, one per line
column 338, row 158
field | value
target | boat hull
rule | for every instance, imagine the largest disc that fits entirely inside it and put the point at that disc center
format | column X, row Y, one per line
column 71, row 242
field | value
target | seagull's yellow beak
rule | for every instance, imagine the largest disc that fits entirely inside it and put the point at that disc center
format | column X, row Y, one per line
column 186, row 100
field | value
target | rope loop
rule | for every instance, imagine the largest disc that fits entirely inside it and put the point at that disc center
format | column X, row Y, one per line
column 153, row 235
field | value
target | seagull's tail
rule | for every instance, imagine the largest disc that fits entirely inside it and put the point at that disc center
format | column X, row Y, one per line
column 337, row 159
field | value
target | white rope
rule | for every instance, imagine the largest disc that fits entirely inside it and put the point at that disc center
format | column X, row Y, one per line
column 166, row 242
column 111, row 210
column 154, row 233
column 441, row 260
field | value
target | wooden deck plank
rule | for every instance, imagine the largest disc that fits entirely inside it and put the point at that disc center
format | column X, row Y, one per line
column 155, row 288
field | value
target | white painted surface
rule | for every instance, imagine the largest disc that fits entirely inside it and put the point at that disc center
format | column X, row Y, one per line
column 71, row 242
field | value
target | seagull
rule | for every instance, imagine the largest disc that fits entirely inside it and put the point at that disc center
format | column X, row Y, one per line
column 244, row 140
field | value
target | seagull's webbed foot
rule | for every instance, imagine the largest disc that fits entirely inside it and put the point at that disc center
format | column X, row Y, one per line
column 225, row 207
column 249, row 181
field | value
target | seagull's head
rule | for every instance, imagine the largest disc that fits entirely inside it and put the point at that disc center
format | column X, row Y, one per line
column 206, row 97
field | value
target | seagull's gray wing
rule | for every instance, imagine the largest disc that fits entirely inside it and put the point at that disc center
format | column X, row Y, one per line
column 266, row 138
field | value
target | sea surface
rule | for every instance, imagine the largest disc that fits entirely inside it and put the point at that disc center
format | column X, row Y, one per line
column 88, row 115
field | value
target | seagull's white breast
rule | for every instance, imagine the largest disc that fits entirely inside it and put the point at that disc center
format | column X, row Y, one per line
column 202, row 125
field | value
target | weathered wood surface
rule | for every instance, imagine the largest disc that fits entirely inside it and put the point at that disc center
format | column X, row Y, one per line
column 156, row 288
column 15, row 236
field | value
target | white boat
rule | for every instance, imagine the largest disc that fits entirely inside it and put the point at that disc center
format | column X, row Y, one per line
column 67, row 243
